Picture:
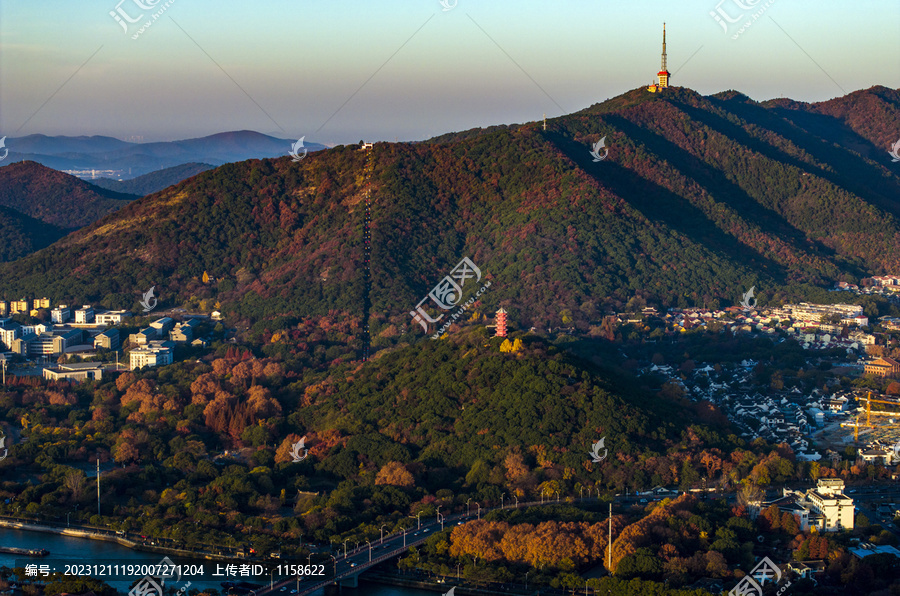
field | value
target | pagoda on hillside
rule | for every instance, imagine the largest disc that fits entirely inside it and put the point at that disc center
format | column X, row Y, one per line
column 663, row 74
column 501, row 323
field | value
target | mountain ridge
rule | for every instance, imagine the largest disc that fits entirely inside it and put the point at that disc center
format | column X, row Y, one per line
column 700, row 198
column 106, row 153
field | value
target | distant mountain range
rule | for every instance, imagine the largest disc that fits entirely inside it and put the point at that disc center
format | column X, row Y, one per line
column 698, row 199
column 129, row 160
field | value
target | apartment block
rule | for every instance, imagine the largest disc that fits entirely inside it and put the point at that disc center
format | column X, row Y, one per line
column 155, row 353
column 85, row 314
column 108, row 340
column 61, row 314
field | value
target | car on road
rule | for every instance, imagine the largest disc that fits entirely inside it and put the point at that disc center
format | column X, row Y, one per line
column 352, row 564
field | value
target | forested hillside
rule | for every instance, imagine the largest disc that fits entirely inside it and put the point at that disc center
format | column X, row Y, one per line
column 55, row 197
column 698, row 199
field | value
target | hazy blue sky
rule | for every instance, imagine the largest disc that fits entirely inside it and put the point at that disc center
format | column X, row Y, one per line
column 415, row 69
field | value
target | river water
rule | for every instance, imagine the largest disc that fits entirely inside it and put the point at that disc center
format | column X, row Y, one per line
column 72, row 550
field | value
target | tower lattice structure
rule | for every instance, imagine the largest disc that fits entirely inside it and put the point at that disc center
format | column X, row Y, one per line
column 367, row 250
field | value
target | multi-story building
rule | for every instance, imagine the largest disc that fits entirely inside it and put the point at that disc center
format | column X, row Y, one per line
column 859, row 321
column 818, row 312
column 111, row 317
column 155, row 353
column 142, row 337
column 61, row 314
column 85, row 314
column 182, row 333
column 9, row 331
column 20, row 306
column 108, row 340
column 825, row 507
column 41, row 303
column 4, row 308
column 882, row 367
column 47, row 343
column 829, row 501
column 163, row 326
column 84, row 371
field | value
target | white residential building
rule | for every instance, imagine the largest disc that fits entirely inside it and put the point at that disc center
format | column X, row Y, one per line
column 155, row 353
column 60, row 314
column 111, row 317
column 828, row 500
column 85, row 314
column 825, row 507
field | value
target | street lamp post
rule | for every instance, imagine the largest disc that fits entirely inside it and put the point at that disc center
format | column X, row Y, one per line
column 441, row 519
column 404, row 537
column 382, row 534
column 526, row 580
column 468, row 507
column 479, row 510
column 345, row 547
column 370, row 550
column 517, row 501
column 335, row 565
column 501, row 500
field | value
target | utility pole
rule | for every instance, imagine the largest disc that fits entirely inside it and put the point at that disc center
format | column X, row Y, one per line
column 4, row 370
column 98, row 486
column 545, row 122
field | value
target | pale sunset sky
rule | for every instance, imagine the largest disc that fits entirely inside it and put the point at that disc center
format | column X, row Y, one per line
column 338, row 71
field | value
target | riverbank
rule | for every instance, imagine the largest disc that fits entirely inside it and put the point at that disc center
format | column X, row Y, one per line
column 120, row 540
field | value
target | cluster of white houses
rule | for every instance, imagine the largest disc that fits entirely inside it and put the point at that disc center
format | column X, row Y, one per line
column 84, row 329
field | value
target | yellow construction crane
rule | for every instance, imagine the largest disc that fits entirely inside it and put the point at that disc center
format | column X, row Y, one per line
column 869, row 402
